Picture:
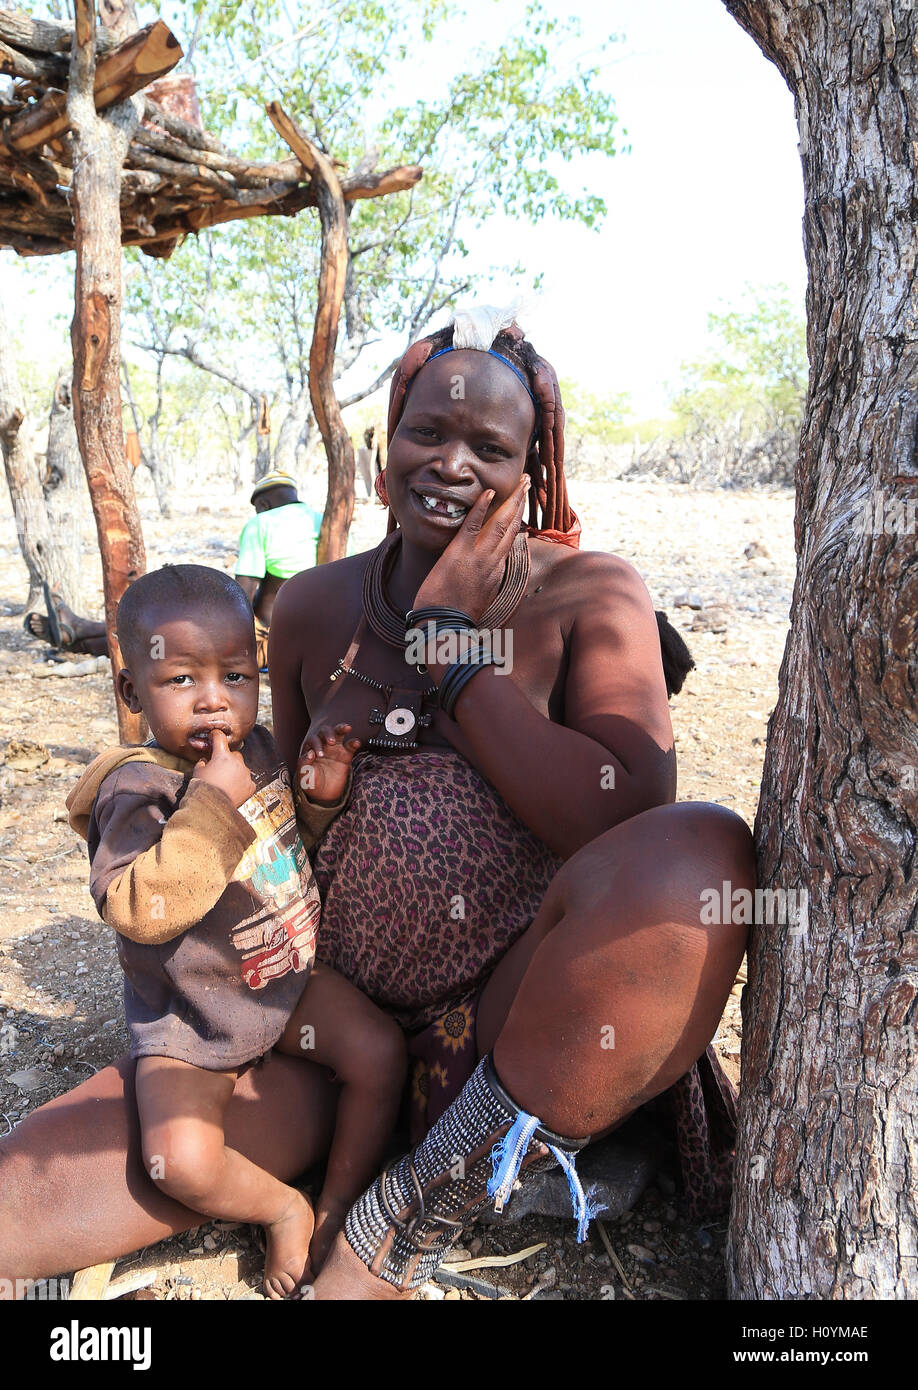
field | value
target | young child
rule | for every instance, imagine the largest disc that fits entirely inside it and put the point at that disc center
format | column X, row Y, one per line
column 197, row 864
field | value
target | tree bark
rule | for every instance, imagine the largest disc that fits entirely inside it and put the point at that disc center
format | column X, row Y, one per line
column 43, row 545
column 63, row 486
column 339, row 506
column 825, row 1202
column 100, row 144
column 291, row 432
column 18, row 447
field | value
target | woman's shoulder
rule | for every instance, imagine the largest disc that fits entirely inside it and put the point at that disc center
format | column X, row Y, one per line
column 583, row 573
column 320, row 582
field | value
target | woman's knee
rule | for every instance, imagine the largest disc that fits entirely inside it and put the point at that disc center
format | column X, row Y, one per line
column 661, row 866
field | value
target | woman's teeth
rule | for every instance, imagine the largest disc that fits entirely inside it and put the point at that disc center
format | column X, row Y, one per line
column 444, row 508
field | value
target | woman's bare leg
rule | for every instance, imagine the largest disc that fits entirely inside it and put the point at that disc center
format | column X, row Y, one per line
column 617, row 945
column 73, row 1189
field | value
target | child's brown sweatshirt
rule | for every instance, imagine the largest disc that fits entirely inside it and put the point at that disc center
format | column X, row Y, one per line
column 216, row 909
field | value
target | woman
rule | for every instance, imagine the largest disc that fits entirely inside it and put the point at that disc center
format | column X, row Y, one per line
column 543, row 797
column 521, row 871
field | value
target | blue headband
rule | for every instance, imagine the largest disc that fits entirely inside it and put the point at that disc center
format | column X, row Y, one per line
column 500, row 357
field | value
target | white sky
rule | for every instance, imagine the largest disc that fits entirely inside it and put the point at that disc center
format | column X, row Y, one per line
column 709, row 199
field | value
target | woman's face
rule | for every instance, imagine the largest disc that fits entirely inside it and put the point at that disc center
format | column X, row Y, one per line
column 466, row 427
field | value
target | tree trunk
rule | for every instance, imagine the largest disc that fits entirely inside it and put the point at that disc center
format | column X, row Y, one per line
column 18, row 448
column 99, row 146
column 290, row 433
column 825, row 1202
column 262, row 417
column 339, row 506
column 63, row 486
column 44, row 558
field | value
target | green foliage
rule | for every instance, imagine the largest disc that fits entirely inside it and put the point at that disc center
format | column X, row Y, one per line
column 756, row 367
column 590, row 416
column 499, row 134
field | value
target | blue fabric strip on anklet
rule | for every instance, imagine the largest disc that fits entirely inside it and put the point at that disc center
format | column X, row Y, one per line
column 506, row 1157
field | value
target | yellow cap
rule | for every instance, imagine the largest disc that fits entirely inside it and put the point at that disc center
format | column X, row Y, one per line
column 273, row 479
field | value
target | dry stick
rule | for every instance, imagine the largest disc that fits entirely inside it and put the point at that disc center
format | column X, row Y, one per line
column 148, row 54
column 51, row 71
column 247, row 173
column 43, row 36
column 89, row 1284
column 604, row 1236
column 496, row 1261
column 183, row 130
column 339, row 507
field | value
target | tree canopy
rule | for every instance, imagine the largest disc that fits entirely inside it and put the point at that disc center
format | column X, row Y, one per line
column 756, row 366
column 496, row 131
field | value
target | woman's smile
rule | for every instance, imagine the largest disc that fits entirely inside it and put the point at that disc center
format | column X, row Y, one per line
column 440, row 508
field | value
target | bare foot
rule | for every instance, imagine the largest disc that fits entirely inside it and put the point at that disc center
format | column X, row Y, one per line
column 37, row 624
column 287, row 1245
column 345, row 1277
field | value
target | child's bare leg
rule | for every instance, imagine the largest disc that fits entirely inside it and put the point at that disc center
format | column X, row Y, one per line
column 181, row 1111
column 337, row 1026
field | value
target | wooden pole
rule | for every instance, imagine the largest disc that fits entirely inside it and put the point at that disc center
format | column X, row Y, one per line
column 339, row 506
column 99, row 146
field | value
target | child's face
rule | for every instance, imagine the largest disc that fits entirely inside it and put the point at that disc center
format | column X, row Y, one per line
column 197, row 677
column 466, row 426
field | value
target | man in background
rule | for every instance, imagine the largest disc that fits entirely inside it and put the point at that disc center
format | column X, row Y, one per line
column 279, row 541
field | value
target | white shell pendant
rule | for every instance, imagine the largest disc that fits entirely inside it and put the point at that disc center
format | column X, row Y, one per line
column 399, row 721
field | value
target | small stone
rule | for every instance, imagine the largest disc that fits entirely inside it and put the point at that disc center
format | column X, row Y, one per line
column 712, row 620
column 652, row 1226
column 670, row 1213
column 452, row 1294
column 548, row 1277
column 475, row 1247
column 210, row 1243
column 704, row 1238
column 642, row 1254
column 30, row 1079
column 688, row 599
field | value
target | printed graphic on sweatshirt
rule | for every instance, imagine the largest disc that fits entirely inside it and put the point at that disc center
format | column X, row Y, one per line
column 281, row 935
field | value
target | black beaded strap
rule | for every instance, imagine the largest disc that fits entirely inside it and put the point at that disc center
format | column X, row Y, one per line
column 456, row 678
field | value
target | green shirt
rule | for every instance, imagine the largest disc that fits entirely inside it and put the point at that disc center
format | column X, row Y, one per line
column 280, row 542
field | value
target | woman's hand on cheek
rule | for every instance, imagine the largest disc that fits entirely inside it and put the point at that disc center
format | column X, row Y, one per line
column 467, row 575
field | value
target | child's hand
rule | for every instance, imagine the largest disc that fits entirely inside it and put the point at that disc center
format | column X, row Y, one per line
column 325, row 756
column 226, row 770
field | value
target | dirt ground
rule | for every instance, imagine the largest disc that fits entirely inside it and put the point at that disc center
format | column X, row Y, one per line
column 731, row 553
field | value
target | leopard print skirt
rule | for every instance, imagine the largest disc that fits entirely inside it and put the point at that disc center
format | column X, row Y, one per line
column 426, row 878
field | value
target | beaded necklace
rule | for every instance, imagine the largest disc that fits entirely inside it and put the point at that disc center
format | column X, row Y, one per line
column 404, row 713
